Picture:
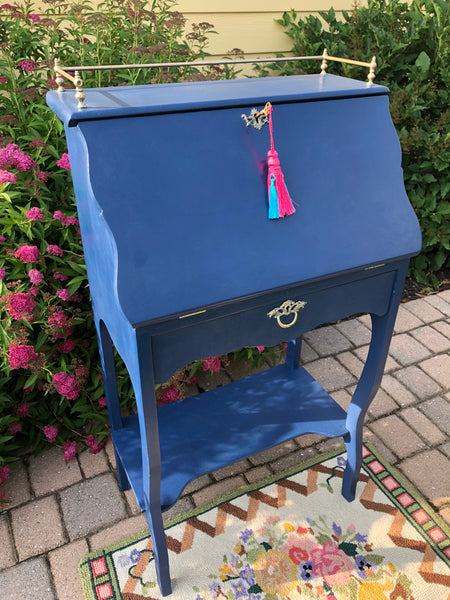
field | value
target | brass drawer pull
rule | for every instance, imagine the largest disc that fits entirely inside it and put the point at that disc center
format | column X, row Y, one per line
column 287, row 308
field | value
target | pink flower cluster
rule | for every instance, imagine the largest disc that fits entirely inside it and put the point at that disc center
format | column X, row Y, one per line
column 61, row 276
column 211, row 364
column 35, row 214
column 20, row 305
column 65, row 220
column 36, row 277
column 54, row 250
column 135, row 15
column 42, row 175
column 57, row 319
column 51, row 83
column 27, row 65
column 95, row 446
column 67, row 346
column 82, row 373
column 67, row 385
column 7, row 177
column 23, row 410
column 69, row 450
column 7, row 120
column 34, row 18
column 19, row 357
column 170, row 394
column 2, row 272
column 12, row 157
column 27, row 254
column 64, row 162
column 50, row 432
column 38, row 143
column 64, row 294
column 4, row 473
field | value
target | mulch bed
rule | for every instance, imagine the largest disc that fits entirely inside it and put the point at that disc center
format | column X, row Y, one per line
column 414, row 290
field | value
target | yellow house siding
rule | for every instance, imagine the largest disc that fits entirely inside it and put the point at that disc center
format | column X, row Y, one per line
column 250, row 24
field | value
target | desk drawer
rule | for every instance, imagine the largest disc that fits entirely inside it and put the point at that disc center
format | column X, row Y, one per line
column 287, row 316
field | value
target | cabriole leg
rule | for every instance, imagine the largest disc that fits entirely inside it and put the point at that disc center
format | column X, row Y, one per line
column 141, row 372
column 112, row 395
column 382, row 328
column 364, row 393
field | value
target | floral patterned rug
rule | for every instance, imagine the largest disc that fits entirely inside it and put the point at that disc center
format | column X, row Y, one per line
column 293, row 537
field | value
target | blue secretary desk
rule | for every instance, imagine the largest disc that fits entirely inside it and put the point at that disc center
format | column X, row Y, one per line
column 183, row 262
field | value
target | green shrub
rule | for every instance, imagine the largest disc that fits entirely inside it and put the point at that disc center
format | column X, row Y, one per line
column 411, row 43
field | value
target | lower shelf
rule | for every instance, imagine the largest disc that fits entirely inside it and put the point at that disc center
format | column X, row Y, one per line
column 216, row 428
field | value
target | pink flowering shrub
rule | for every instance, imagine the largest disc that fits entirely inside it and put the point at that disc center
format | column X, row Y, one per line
column 27, row 254
column 7, row 177
column 67, row 385
column 50, row 432
column 12, row 157
column 51, row 389
column 20, row 357
column 211, row 364
column 70, row 450
column 36, row 277
column 35, row 214
column 19, row 305
column 64, row 162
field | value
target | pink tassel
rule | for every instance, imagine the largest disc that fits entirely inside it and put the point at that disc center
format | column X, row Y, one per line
column 285, row 206
column 275, row 177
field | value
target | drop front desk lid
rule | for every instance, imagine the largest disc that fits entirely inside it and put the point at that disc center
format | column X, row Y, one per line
column 171, row 188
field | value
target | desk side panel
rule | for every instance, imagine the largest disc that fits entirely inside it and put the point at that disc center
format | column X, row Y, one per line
column 99, row 246
column 185, row 197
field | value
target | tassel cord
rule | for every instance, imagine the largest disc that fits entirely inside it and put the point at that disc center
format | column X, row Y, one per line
column 270, row 111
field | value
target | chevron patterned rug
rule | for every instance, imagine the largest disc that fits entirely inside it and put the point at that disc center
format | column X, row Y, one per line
column 293, row 537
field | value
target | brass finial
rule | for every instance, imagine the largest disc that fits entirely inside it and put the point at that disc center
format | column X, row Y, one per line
column 324, row 65
column 373, row 65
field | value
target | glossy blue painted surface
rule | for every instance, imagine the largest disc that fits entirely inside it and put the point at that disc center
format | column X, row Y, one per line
column 196, row 187
column 172, row 200
column 250, row 415
column 181, row 97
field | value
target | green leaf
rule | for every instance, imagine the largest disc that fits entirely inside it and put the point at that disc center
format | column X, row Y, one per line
column 29, row 383
column 423, row 62
column 5, row 438
column 439, row 259
column 79, row 268
column 348, row 548
column 255, row 589
column 429, row 178
column 252, row 555
column 376, row 559
column 75, row 283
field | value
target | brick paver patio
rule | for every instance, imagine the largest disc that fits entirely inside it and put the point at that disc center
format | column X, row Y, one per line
column 58, row 512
